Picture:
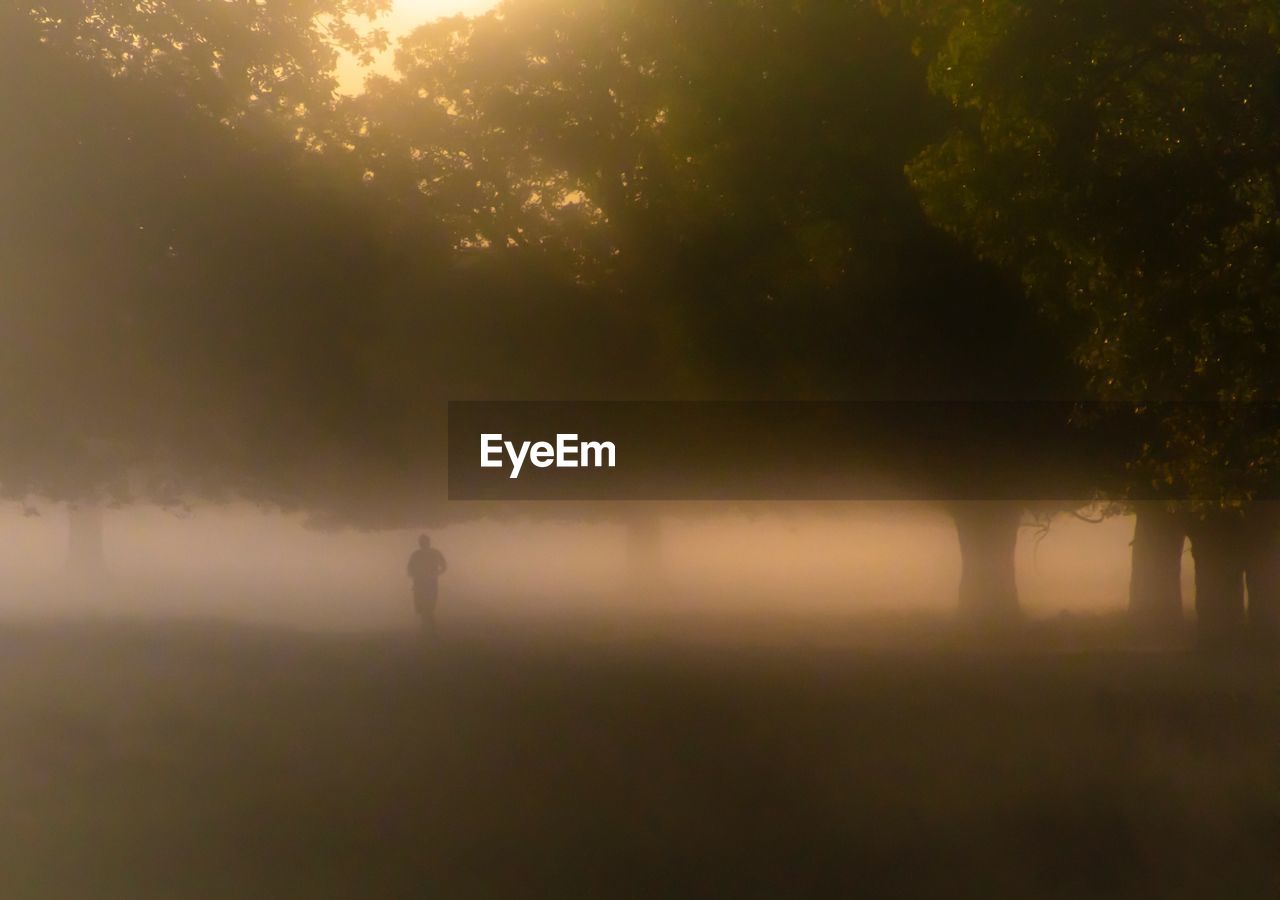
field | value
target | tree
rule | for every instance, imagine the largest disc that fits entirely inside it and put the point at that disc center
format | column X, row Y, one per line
column 1122, row 161
column 731, row 174
column 684, row 201
column 178, row 288
column 214, row 308
column 245, row 65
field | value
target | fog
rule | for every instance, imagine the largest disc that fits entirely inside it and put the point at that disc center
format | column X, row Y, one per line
column 967, row 259
column 718, row 568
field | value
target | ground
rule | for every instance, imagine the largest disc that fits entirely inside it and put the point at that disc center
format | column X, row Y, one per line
column 191, row 761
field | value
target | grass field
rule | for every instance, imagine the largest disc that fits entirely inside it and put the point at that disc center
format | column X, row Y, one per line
column 202, row 761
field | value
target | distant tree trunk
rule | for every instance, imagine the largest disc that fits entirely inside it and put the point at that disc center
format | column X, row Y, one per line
column 644, row 554
column 1217, row 546
column 1262, row 571
column 84, row 539
column 1155, row 579
column 988, row 534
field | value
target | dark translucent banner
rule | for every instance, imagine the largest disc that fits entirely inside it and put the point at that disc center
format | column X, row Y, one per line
column 857, row 450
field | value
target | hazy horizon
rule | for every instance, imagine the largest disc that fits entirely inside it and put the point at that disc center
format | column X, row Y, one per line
column 250, row 565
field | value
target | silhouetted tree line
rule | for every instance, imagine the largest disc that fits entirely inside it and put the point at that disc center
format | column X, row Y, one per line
column 223, row 278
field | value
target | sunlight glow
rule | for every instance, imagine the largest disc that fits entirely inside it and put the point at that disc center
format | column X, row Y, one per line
column 405, row 15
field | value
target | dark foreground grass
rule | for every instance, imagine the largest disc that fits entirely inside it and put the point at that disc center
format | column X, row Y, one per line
column 213, row 762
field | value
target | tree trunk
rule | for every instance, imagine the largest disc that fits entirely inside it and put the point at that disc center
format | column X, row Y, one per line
column 84, row 540
column 1262, row 571
column 1155, row 580
column 988, row 533
column 1217, row 548
column 644, row 554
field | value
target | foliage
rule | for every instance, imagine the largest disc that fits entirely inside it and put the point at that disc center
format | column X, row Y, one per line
column 239, row 62
column 730, row 172
column 1121, row 159
column 224, row 277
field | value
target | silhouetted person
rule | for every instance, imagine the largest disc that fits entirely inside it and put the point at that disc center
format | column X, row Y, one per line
column 426, row 565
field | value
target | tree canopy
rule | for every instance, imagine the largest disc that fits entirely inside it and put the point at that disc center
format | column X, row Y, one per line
column 734, row 169
column 273, row 291
column 1122, row 160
